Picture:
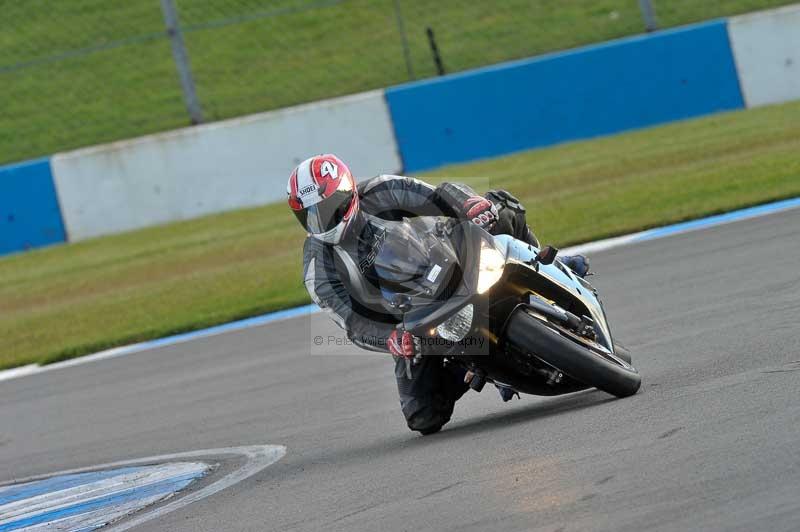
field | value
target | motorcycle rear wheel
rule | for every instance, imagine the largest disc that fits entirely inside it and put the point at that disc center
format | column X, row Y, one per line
column 543, row 340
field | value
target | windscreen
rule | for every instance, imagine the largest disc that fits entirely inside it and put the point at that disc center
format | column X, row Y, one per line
column 417, row 260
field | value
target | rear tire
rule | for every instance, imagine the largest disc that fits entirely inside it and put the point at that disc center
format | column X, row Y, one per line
column 534, row 336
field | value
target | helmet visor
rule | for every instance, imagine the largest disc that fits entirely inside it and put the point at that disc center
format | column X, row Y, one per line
column 327, row 214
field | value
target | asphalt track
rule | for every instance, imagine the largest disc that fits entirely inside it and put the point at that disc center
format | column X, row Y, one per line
column 709, row 443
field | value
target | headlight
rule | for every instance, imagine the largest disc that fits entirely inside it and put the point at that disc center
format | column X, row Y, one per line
column 491, row 267
column 457, row 326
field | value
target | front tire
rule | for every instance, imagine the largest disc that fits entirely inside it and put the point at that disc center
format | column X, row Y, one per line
column 623, row 352
column 534, row 336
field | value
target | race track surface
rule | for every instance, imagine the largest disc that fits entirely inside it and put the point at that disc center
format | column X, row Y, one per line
column 711, row 442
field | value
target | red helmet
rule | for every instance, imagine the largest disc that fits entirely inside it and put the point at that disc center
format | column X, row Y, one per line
column 323, row 196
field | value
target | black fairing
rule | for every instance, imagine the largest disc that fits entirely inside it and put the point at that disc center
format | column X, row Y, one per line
column 406, row 261
column 460, row 287
column 431, row 265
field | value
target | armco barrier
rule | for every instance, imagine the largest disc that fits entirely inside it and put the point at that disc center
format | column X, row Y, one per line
column 29, row 213
column 766, row 46
column 226, row 165
column 592, row 91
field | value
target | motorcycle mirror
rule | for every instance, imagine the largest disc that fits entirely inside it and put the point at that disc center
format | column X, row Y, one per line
column 547, row 255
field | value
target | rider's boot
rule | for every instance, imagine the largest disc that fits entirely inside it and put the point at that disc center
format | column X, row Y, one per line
column 506, row 394
column 577, row 263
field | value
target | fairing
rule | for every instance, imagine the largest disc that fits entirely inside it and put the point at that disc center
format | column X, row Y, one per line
column 522, row 254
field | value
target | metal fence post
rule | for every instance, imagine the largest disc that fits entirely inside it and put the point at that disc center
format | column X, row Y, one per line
column 404, row 39
column 181, row 61
column 437, row 57
column 649, row 15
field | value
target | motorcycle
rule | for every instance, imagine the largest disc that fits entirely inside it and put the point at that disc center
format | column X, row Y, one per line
column 509, row 312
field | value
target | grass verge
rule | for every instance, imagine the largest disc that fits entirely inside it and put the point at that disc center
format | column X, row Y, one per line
column 80, row 72
column 74, row 299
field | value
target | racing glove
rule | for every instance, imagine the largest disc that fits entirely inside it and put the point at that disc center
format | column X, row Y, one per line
column 402, row 344
column 481, row 211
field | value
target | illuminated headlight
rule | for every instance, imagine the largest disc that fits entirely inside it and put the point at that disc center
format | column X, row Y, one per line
column 457, row 326
column 491, row 267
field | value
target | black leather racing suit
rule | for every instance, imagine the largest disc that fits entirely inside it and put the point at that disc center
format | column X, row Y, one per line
column 339, row 279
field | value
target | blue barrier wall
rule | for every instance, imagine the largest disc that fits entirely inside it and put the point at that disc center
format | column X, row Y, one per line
column 29, row 212
column 597, row 90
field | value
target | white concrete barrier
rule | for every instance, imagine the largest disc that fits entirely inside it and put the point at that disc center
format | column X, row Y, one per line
column 216, row 167
column 766, row 47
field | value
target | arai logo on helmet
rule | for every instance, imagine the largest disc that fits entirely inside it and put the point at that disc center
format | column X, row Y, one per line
column 329, row 169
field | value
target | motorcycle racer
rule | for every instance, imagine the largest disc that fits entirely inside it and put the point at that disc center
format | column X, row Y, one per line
column 343, row 222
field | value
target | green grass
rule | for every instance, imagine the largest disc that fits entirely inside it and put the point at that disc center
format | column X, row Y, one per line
column 283, row 52
column 73, row 299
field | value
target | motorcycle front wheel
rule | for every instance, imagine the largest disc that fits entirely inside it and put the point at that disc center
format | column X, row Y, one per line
column 542, row 339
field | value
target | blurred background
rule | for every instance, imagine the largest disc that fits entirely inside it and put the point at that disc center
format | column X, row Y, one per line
column 80, row 72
